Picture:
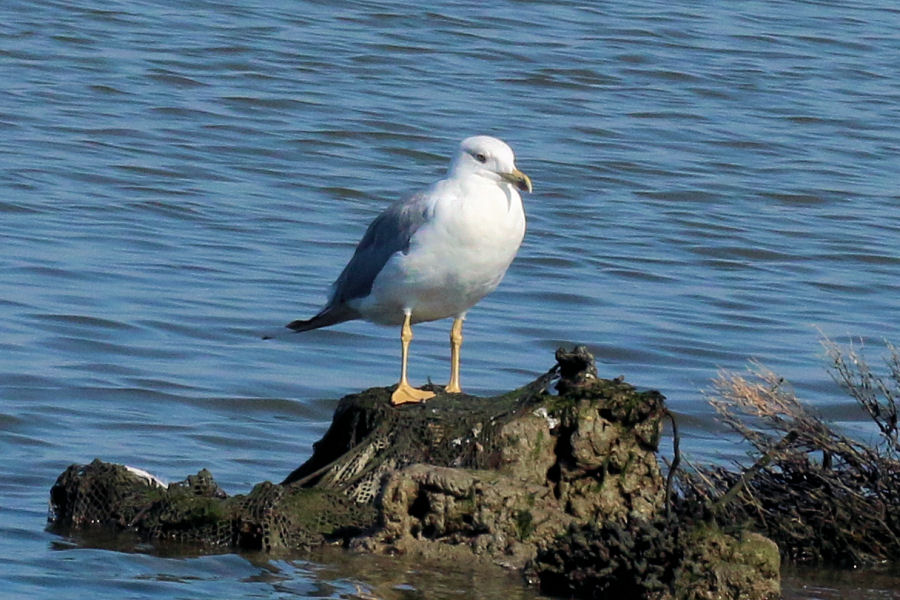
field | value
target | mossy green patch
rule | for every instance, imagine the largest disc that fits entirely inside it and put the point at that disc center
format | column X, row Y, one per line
column 524, row 524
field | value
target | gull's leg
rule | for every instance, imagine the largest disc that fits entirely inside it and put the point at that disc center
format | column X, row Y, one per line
column 405, row 392
column 456, row 339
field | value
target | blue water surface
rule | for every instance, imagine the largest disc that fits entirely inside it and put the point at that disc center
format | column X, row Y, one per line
column 714, row 183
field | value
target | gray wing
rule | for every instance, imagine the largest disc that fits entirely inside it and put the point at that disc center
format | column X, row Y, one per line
column 389, row 233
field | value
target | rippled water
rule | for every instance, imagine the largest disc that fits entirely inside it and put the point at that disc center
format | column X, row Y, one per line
column 711, row 184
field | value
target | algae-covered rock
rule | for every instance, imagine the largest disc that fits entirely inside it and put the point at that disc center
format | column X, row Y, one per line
column 197, row 512
column 719, row 566
column 440, row 512
column 658, row 560
column 565, row 486
column 611, row 560
column 521, row 477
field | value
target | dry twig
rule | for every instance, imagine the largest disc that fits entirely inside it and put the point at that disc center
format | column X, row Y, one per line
column 822, row 496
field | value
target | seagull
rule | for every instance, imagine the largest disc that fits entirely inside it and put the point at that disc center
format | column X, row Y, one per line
column 435, row 254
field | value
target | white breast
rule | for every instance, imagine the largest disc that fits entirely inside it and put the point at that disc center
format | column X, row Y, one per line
column 455, row 259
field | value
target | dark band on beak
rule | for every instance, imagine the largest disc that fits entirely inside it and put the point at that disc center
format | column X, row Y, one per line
column 518, row 179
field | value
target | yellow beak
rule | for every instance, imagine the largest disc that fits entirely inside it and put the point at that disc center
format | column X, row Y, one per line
column 518, row 179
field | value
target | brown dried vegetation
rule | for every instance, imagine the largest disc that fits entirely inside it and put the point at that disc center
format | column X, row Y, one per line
column 822, row 496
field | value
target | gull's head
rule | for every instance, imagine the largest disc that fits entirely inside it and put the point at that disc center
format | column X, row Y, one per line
column 489, row 157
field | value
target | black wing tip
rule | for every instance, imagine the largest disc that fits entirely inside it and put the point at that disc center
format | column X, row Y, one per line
column 323, row 319
column 294, row 327
column 299, row 324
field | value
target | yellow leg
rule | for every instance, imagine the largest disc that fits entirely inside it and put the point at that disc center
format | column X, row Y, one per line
column 406, row 393
column 456, row 339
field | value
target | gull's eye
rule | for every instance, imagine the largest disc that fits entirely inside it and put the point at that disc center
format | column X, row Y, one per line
column 480, row 157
